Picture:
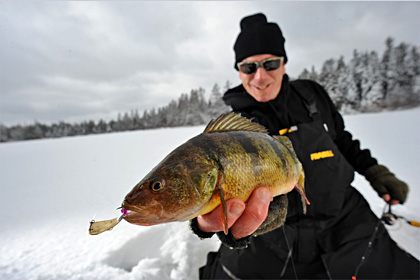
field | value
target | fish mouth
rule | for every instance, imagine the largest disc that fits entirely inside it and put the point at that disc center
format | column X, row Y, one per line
column 142, row 215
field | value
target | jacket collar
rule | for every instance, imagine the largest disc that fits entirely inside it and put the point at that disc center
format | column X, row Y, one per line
column 240, row 100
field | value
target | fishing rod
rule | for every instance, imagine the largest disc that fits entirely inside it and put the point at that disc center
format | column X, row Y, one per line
column 388, row 218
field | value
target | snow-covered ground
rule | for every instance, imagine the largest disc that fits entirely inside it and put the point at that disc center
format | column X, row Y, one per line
column 51, row 189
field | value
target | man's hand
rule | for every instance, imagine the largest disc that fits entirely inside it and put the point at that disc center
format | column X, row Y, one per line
column 243, row 219
column 391, row 189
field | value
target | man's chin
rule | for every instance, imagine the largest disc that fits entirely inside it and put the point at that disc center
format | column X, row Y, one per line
column 263, row 96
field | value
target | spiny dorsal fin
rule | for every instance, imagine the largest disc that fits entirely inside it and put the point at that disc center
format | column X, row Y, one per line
column 233, row 122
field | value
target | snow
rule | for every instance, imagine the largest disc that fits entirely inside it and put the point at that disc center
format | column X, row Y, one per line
column 51, row 190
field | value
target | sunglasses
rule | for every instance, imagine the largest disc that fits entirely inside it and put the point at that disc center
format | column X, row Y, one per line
column 250, row 67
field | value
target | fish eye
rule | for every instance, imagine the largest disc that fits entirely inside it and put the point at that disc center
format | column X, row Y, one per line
column 157, row 184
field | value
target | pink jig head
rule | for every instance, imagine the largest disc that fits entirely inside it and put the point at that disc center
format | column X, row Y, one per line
column 125, row 212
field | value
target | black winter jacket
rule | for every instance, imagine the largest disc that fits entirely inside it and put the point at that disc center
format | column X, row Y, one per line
column 288, row 109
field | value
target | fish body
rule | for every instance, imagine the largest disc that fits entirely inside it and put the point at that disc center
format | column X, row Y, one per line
column 230, row 159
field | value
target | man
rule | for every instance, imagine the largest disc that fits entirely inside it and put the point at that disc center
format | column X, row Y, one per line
column 332, row 239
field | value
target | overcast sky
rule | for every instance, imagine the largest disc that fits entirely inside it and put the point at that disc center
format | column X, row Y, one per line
column 81, row 60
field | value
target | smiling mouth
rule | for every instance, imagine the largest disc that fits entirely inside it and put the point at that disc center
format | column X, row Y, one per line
column 262, row 87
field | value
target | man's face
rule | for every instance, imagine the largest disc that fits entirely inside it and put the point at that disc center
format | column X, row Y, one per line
column 262, row 85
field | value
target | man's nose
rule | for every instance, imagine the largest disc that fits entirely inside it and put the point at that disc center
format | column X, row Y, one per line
column 260, row 74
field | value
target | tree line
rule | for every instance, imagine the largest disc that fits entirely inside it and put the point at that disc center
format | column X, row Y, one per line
column 366, row 83
column 369, row 82
column 189, row 110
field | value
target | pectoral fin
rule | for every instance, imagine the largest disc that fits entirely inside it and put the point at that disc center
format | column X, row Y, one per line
column 300, row 189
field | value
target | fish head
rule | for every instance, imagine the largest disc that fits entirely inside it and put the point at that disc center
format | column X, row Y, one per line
column 173, row 191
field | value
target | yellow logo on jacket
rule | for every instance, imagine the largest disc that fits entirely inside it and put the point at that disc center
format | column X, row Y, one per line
column 323, row 154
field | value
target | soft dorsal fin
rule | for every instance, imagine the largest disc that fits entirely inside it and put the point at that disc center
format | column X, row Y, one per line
column 285, row 141
column 233, row 122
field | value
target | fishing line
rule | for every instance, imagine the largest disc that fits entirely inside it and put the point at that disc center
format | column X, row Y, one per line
column 387, row 218
column 369, row 247
column 289, row 257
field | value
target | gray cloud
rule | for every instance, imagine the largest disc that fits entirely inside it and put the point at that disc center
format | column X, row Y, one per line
column 73, row 61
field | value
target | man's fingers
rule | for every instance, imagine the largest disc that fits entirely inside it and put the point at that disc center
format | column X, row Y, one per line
column 212, row 222
column 254, row 215
column 390, row 201
column 386, row 197
column 394, row 202
column 242, row 220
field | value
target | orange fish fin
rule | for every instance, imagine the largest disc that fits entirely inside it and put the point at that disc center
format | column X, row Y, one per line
column 224, row 210
column 301, row 190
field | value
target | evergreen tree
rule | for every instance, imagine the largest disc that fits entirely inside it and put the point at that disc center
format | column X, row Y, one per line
column 215, row 94
column 388, row 68
column 309, row 75
column 227, row 86
column 216, row 104
column 328, row 78
column 4, row 133
column 342, row 97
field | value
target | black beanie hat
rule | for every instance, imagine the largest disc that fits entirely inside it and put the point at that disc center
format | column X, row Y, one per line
column 258, row 37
